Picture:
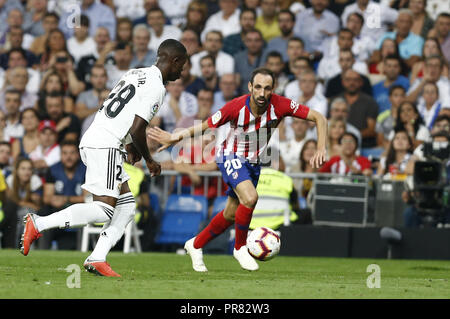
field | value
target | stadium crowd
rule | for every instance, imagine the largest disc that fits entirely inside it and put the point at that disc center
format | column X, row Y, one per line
column 378, row 70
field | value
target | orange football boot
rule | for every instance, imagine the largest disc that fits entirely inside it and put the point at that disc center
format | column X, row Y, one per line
column 100, row 268
column 30, row 234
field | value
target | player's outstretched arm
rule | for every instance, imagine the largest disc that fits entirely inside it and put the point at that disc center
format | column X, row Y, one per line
column 167, row 139
column 321, row 124
column 138, row 135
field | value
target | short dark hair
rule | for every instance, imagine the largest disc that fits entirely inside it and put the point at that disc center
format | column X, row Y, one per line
column 396, row 87
column 274, row 54
column 18, row 50
column 346, row 30
column 358, row 15
column 172, row 47
column 248, row 10
column 441, row 133
column 298, row 40
column 264, row 71
column 5, row 143
column 208, row 56
column 84, row 20
column 351, row 135
column 13, row 91
column 73, row 143
column 393, row 57
column 58, row 94
column 51, row 14
column 442, row 117
column 289, row 12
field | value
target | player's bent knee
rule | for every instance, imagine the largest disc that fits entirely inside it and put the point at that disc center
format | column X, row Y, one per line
column 250, row 200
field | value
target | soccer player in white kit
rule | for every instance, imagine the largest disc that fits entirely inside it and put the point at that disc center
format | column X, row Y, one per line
column 117, row 131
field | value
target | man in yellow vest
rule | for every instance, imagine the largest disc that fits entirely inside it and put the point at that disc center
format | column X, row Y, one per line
column 275, row 183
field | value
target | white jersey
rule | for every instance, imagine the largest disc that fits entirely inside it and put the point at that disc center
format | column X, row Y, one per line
column 138, row 92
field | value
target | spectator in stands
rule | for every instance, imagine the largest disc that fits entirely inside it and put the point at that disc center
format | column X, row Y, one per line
column 99, row 14
column 442, row 123
column 25, row 190
column 432, row 73
column 274, row 62
column 378, row 17
column 386, row 120
column 293, row 89
column 62, row 63
column 88, row 101
column 339, row 111
column 17, row 79
column 409, row 119
column 226, row 20
column 15, row 38
column 177, row 104
column 409, row 44
column 55, row 43
column 159, row 31
column 191, row 83
column 249, row 59
column 234, row 43
column 309, row 95
column 205, row 100
column 431, row 47
column 267, row 21
column 34, row 16
column 441, row 31
column 148, row 5
column 81, row 44
column 392, row 69
column 13, row 128
column 124, row 30
column 363, row 108
column 394, row 163
column 430, row 106
column 191, row 41
column 209, row 74
column 8, row 218
column 5, row 158
column 175, row 10
column 228, row 91
column 295, row 51
column 329, row 64
column 213, row 46
column 290, row 148
column 132, row 9
column 286, row 22
column 63, row 188
column 50, row 22
column 103, row 55
column 17, row 57
column 48, row 151
column 52, row 82
column 305, row 185
column 3, row 137
column 376, row 66
column 15, row 22
column 67, row 124
column 23, row 146
column 5, row 8
column 336, row 128
column 334, row 84
column 143, row 56
column 314, row 25
column 422, row 23
column 196, row 15
column 123, row 55
column 348, row 163
column 363, row 45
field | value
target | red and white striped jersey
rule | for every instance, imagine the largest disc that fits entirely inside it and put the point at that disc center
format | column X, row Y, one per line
column 248, row 136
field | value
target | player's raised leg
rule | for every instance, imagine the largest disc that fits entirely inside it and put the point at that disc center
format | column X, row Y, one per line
column 248, row 198
column 76, row 215
column 216, row 227
column 111, row 233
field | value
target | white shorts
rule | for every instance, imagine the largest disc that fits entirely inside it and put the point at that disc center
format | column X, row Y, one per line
column 104, row 171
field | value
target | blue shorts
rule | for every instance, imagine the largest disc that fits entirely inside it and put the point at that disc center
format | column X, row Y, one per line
column 236, row 169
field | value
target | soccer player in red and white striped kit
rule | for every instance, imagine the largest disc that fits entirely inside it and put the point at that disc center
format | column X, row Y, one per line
column 252, row 118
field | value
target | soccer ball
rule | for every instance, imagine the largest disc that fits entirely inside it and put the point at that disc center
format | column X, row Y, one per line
column 263, row 243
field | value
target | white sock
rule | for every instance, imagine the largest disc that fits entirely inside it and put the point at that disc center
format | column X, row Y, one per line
column 110, row 234
column 76, row 215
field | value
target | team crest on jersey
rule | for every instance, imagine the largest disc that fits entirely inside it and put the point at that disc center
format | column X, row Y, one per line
column 235, row 175
column 155, row 108
column 216, row 117
column 294, row 106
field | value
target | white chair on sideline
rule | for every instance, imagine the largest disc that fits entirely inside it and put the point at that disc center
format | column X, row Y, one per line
column 132, row 234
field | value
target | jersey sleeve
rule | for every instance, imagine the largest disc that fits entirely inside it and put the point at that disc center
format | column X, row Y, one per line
column 288, row 107
column 222, row 116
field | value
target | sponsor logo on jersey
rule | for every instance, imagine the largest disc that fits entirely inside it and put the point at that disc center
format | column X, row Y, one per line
column 294, row 106
column 216, row 117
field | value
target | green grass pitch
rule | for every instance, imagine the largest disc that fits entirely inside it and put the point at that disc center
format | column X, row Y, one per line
column 42, row 274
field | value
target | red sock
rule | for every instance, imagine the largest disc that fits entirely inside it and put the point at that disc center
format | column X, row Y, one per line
column 242, row 221
column 215, row 227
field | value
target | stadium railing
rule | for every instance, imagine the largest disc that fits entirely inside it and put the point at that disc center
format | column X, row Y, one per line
column 358, row 190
